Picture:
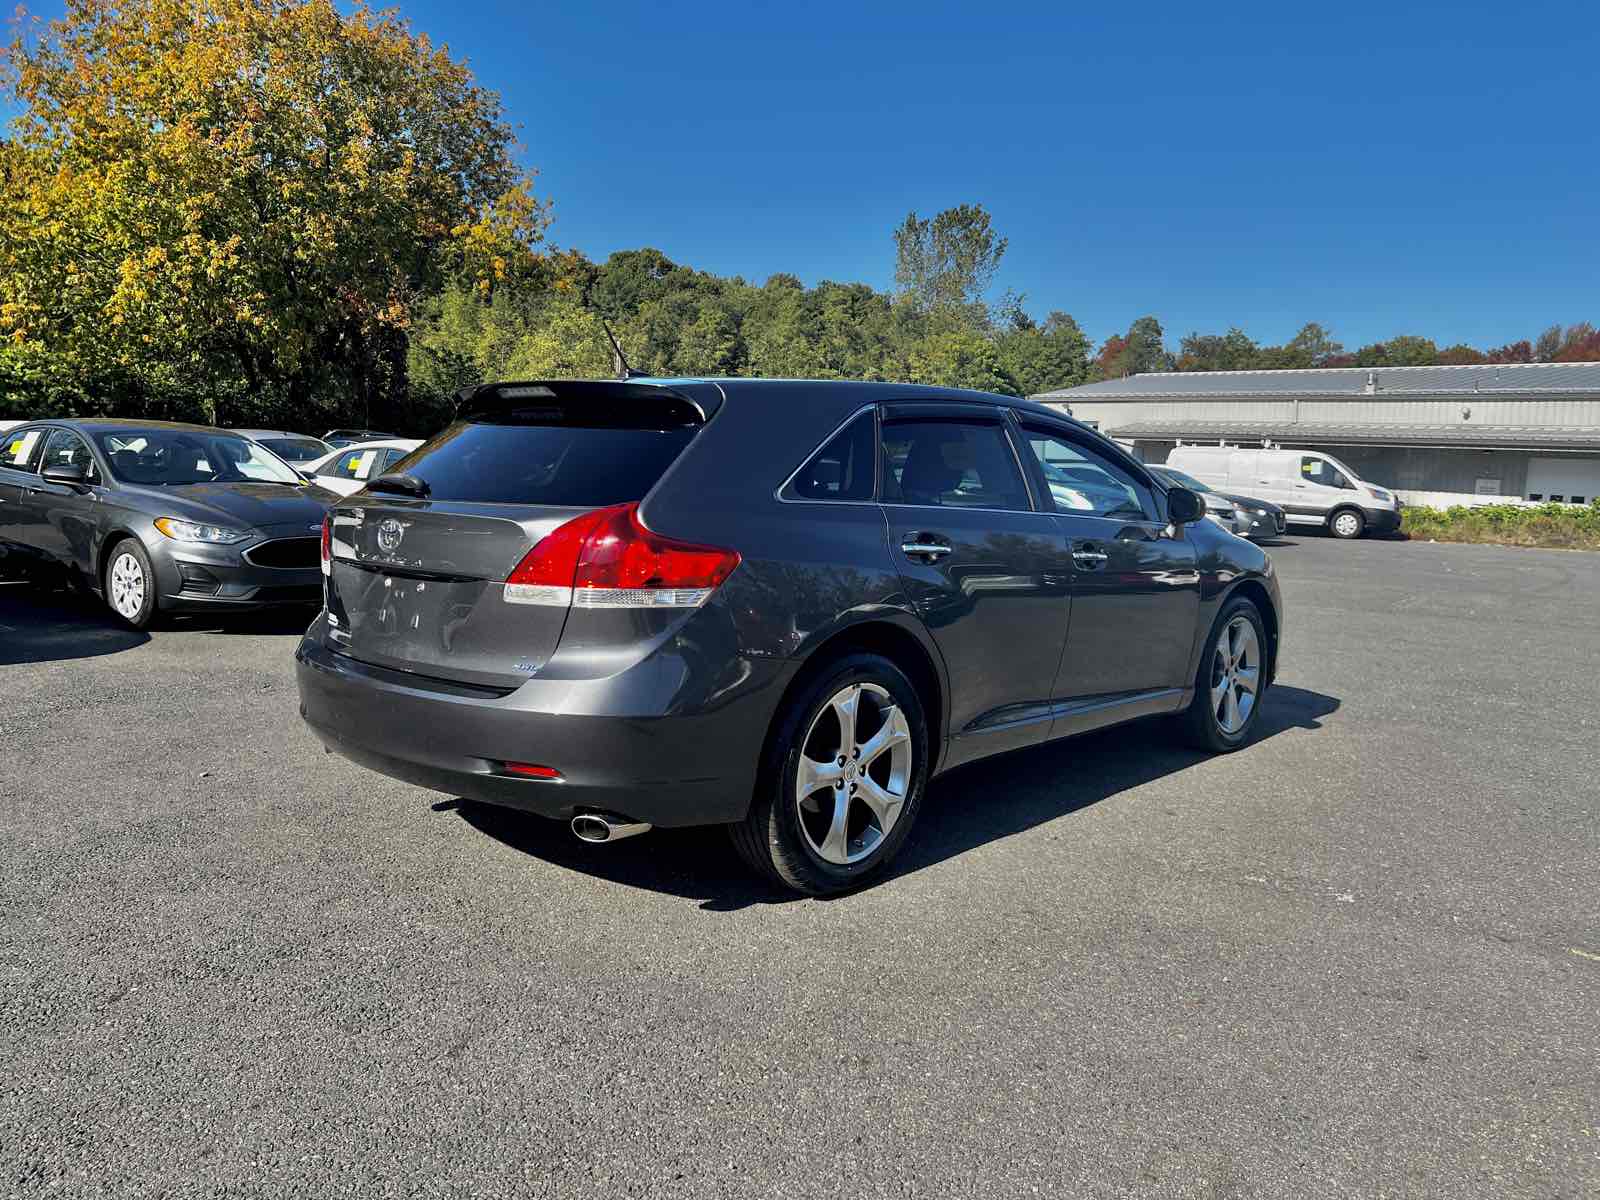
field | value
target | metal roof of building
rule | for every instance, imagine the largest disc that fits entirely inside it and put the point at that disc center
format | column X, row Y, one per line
column 1481, row 437
column 1506, row 379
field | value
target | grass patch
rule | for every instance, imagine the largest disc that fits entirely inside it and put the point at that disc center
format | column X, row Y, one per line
column 1560, row 526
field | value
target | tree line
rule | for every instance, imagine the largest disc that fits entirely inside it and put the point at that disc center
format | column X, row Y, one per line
column 285, row 213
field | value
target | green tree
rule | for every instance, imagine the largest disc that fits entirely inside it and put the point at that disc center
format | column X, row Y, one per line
column 947, row 263
column 1231, row 351
column 235, row 210
column 961, row 358
column 1313, row 346
column 1044, row 358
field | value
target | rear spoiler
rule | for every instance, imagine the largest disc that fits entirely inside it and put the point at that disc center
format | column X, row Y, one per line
column 591, row 403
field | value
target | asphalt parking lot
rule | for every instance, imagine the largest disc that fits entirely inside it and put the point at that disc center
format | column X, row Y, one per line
column 1361, row 957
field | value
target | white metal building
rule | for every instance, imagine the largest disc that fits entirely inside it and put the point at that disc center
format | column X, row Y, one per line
column 1435, row 435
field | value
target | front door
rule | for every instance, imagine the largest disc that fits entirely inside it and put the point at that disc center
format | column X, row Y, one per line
column 1135, row 584
column 1318, row 486
column 987, row 573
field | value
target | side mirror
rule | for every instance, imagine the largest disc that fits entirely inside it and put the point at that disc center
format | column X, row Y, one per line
column 1185, row 507
column 72, row 475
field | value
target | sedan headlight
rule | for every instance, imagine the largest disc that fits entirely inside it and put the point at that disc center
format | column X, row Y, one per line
column 191, row 531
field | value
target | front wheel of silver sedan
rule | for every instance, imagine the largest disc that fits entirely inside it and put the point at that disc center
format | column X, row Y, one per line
column 130, row 583
column 842, row 779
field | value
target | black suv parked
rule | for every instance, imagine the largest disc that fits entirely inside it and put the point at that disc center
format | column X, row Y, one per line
column 778, row 605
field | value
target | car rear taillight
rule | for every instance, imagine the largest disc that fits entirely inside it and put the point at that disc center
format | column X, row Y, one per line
column 327, row 544
column 608, row 559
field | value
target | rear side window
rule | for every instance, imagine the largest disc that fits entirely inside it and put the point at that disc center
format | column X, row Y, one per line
column 844, row 469
column 17, row 448
column 353, row 464
column 951, row 464
column 521, row 462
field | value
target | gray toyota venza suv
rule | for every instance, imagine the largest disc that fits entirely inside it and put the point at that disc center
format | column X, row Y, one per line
column 777, row 605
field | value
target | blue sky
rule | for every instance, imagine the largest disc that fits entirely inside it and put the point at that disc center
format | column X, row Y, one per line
column 1383, row 168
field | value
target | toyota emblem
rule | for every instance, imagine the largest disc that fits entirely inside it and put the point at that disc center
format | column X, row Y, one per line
column 390, row 532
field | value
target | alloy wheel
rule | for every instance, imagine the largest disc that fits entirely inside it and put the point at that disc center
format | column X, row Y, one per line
column 1235, row 675
column 127, row 587
column 854, row 773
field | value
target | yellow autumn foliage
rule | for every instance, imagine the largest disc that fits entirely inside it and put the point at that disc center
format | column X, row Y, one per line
column 245, row 198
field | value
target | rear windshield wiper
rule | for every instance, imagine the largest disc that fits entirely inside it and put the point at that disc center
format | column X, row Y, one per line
column 398, row 481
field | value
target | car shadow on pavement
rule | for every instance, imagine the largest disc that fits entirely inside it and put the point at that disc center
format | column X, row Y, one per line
column 969, row 807
column 39, row 623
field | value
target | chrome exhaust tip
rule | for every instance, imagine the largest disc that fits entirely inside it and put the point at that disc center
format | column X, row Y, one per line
column 597, row 827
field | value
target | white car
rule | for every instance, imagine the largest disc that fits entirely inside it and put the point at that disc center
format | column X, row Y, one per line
column 347, row 469
column 5, row 425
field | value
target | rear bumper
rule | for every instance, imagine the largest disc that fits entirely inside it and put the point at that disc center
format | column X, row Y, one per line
column 659, row 762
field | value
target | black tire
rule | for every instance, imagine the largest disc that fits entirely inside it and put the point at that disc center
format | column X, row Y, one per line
column 1347, row 523
column 772, row 838
column 144, row 614
column 1202, row 727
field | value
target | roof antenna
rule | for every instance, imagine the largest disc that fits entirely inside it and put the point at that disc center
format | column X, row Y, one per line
column 619, row 361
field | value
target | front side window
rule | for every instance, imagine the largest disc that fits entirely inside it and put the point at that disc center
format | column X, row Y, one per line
column 172, row 457
column 1083, row 483
column 844, row 468
column 66, row 449
column 1320, row 470
column 951, row 464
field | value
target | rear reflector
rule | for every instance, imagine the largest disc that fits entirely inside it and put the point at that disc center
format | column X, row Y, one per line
column 608, row 559
column 533, row 771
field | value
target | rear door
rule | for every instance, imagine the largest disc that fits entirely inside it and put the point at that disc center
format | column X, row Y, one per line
column 20, row 450
column 987, row 573
column 417, row 583
column 1135, row 585
column 61, row 519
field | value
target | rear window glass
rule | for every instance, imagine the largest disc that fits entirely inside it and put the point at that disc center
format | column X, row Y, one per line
column 295, row 449
column 544, row 464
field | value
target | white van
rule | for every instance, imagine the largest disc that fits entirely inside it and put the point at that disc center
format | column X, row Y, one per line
column 1312, row 488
